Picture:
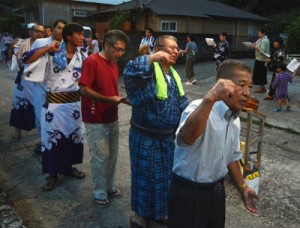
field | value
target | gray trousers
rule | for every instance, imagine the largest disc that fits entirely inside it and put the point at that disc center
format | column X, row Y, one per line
column 103, row 142
column 189, row 66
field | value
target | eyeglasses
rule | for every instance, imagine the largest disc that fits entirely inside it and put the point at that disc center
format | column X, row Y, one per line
column 117, row 49
column 171, row 47
column 39, row 31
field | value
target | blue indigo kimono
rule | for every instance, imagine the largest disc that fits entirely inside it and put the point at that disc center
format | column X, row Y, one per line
column 151, row 137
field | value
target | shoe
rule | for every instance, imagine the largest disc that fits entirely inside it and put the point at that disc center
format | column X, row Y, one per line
column 288, row 109
column 188, row 83
column 277, row 110
column 134, row 224
column 268, row 98
column 115, row 194
column 102, row 203
column 50, row 183
column 194, row 82
column 75, row 173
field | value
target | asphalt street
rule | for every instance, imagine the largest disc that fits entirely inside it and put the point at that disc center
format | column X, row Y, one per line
column 71, row 204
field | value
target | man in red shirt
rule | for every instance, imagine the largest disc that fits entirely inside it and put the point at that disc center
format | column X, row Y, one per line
column 99, row 103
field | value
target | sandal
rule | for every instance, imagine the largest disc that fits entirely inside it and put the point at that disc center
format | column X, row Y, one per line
column 75, row 173
column 102, row 203
column 115, row 194
column 50, row 183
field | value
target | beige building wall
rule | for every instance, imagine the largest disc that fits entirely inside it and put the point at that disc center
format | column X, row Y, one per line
column 55, row 9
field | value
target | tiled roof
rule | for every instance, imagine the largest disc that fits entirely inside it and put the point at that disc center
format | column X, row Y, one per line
column 192, row 8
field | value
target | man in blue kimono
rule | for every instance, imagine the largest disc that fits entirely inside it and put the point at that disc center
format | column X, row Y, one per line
column 155, row 91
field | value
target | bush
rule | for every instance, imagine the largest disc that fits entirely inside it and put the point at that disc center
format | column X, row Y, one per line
column 293, row 32
column 117, row 21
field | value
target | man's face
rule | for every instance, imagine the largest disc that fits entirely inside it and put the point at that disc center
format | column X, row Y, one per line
column 38, row 32
column 114, row 51
column 243, row 81
column 260, row 34
column 48, row 32
column 148, row 33
column 57, row 31
column 76, row 39
column 170, row 46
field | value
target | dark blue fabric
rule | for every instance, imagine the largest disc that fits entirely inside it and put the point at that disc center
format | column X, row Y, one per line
column 151, row 158
column 22, row 113
column 62, row 156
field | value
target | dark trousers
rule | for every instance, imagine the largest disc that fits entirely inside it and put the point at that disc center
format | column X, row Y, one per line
column 189, row 67
column 271, row 92
column 195, row 205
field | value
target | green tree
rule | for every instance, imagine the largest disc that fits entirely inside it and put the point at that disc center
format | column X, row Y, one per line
column 117, row 21
column 293, row 31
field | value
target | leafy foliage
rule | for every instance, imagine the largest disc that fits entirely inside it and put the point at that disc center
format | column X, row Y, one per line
column 284, row 14
column 293, row 31
column 117, row 21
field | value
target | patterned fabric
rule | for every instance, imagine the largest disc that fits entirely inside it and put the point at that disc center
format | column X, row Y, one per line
column 22, row 112
column 151, row 159
column 61, row 131
column 62, row 141
column 221, row 52
column 148, row 41
column 60, row 57
column 277, row 56
column 281, row 85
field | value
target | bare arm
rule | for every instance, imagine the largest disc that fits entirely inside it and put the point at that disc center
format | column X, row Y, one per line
column 38, row 53
column 248, row 194
column 196, row 122
column 90, row 93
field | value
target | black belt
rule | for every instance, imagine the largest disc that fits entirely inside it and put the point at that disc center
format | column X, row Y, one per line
column 215, row 186
column 152, row 132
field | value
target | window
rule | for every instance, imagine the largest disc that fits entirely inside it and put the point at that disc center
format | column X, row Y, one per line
column 168, row 26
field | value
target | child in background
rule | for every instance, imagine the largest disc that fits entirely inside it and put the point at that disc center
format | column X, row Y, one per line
column 280, row 85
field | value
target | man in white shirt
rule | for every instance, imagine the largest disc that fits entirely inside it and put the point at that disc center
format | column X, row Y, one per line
column 39, row 91
column 207, row 148
column 148, row 41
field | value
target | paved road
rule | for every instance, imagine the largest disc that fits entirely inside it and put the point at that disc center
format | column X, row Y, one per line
column 71, row 204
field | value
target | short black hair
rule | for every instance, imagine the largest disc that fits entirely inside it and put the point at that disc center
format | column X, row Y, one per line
column 262, row 30
column 150, row 30
column 282, row 66
column 192, row 38
column 279, row 40
column 59, row 20
column 48, row 27
column 71, row 28
column 223, row 34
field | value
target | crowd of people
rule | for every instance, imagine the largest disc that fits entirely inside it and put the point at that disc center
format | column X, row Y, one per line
column 177, row 167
